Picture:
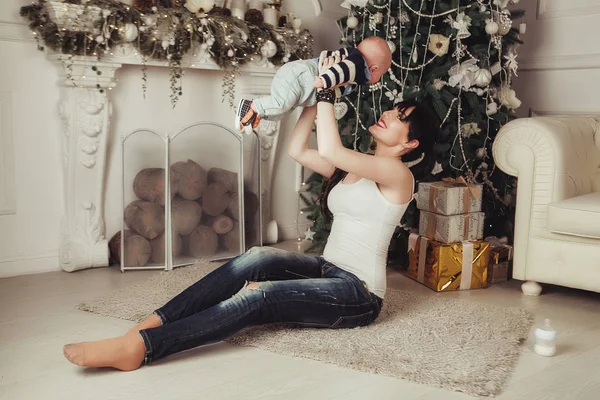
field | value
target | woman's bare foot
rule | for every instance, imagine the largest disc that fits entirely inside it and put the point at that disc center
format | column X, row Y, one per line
column 124, row 352
column 153, row 321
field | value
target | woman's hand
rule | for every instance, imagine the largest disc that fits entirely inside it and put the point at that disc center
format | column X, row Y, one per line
column 325, row 62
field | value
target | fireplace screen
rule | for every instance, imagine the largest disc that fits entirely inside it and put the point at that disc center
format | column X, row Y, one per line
column 208, row 205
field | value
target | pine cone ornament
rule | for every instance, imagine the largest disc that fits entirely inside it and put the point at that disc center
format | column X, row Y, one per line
column 254, row 17
column 220, row 11
column 143, row 5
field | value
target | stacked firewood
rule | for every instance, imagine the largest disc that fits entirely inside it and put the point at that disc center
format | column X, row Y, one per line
column 204, row 214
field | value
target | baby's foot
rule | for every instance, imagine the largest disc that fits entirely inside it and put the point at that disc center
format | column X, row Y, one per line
column 125, row 353
column 246, row 115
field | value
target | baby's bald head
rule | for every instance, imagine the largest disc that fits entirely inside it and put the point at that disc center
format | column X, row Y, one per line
column 377, row 53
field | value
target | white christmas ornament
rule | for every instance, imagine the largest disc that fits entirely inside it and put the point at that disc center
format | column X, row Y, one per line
column 269, row 49
column 352, row 22
column 482, row 77
column 437, row 168
column 149, row 20
column 504, row 22
column 296, row 23
column 347, row 4
column 340, row 109
column 470, row 128
column 230, row 53
column 491, row 28
column 462, row 74
column 392, row 46
column 461, row 24
column 508, row 98
column 522, row 28
column 394, row 96
column 492, row 108
column 511, row 61
column 194, row 6
column 501, row 3
column 308, row 235
column 438, row 44
column 130, row 32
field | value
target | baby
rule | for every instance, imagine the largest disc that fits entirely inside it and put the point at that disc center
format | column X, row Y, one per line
column 295, row 83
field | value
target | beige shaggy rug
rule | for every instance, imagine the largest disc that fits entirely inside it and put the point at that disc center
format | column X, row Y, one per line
column 458, row 345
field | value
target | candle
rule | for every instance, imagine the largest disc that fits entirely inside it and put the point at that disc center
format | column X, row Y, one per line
column 270, row 16
column 238, row 9
column 256, row 4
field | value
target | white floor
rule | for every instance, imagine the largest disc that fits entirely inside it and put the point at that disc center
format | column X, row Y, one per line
column 38, row 316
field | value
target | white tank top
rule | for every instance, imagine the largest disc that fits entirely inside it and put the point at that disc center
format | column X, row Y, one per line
column 363, row 224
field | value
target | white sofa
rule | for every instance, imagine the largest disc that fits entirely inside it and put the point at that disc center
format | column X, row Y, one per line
column 557, row 223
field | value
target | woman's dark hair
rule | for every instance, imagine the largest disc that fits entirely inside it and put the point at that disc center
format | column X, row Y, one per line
column 423, row 126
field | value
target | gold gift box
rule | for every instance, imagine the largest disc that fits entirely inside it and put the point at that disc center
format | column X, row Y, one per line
column 443, row 267
column 500, row 263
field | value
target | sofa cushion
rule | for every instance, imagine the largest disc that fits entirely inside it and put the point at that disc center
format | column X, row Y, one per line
column 578, row 216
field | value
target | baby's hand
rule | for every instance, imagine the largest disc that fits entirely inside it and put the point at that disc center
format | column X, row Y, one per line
column 319, row 82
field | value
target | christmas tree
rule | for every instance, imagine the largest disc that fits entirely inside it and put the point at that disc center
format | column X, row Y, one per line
column 458, row 57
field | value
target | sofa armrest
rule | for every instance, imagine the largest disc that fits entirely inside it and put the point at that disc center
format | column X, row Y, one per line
column 554, row 158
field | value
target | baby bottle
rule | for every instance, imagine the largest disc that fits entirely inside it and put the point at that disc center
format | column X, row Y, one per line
column 545, row 340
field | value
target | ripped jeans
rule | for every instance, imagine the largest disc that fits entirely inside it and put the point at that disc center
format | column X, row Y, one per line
column 293, row 288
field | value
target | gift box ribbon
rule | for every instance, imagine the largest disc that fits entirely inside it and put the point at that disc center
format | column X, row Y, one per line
column 431, row 230
column 452, row 183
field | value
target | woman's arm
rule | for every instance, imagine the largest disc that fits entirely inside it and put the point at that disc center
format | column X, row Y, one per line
column 299, row 150
column 388, row 171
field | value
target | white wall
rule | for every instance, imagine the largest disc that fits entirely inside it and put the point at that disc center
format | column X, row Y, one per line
column 560, row 60
column 31, row 200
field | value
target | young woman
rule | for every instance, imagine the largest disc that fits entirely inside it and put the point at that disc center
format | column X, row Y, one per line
column 366, row 195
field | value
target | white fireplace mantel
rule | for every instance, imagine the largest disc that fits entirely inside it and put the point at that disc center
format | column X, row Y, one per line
column 86, row 114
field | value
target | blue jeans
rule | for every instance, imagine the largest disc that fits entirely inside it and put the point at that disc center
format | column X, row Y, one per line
column 294, row 288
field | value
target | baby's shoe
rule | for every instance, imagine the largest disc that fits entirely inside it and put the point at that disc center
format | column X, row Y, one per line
column 246, row 117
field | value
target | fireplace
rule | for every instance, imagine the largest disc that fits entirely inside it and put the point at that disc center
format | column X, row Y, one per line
column 86, row 111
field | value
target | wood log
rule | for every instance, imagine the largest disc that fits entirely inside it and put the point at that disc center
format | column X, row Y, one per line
column 149, row 185
column 145, row 218
column 203, row 241
column 137, row 249
column 222, row 224
column 250, row 205
column 185, row 215
column 227, row 178
column 215, row 199
column 231, row 240
column 158, row 248
column 191, row 179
